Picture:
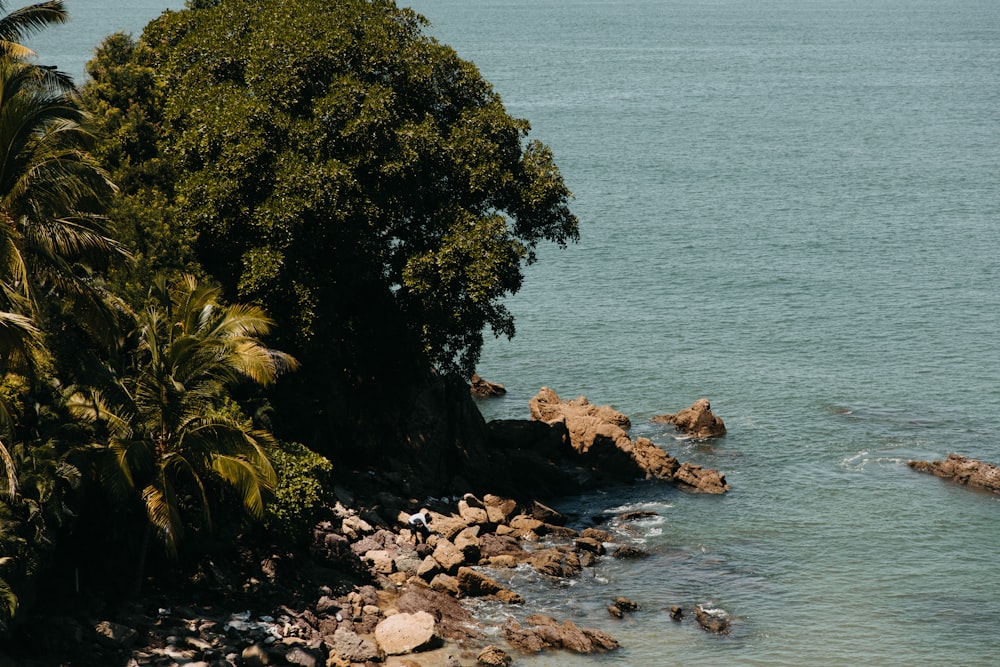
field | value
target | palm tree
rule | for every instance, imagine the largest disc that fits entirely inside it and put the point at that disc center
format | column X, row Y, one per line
column 24, row 22
column 169, row 431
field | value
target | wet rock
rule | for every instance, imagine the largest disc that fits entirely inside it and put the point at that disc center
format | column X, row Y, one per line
column 697, row 421
column 404, row 633
column 970, row 472
column 476, row 584
column 453, row 620
column 626, row 552
column 591, row 545
column 712, row 620
column 542, row 632
column 494, row 656
column 676, row 613
column 499, row 510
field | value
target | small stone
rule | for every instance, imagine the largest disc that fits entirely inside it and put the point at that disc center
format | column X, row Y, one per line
column 255, row 655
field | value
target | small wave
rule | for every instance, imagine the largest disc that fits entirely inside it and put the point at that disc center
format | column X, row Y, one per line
column 864, row 458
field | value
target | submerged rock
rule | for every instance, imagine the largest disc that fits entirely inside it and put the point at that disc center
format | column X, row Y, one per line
column 712, row 620
column 964, row 471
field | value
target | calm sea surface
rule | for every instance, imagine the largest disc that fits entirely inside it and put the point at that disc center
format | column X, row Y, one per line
column 793, row 209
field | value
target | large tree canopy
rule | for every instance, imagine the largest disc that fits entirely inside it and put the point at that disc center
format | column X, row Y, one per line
column 330, row 162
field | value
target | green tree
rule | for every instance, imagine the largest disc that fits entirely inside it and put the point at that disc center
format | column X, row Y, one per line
column 335, row 165
column 170, row 431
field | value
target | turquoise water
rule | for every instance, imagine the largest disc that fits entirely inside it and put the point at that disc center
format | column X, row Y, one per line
column 792, row 208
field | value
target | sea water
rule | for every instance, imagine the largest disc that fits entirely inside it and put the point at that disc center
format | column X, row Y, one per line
column 792, row 208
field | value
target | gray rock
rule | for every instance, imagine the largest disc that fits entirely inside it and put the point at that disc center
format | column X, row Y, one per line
column 350, row 647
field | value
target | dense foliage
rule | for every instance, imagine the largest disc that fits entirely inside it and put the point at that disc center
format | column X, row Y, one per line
column 324, row 163
column 333, row 164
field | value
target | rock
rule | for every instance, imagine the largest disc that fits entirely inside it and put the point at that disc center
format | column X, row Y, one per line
column 705, row 480
column 628, row 552
column 380, row 561
column 300, row 656
column 493, row 656
column 591, row 545
column 447, row 526
column 615, row 611
column 481, row 388
column 404, row 633
column 597, row 534
column 492, row 544
column 350, row 647
column 697, row 421
column 555, row 562
column 447, row 584
column 469, row 544
column 525, row 524
column 114, row 635
column 546, row 406
column 498, row 510
column 354, row 526
column 712, row 620
column 600, row 439
column 970, row 472
column 476, row 584
column 546, row 514
column 454, row 621
column 625, row 604
column 256, row 655
column 472, row 515
column 448, row 556
column 429, row 568
column 676, row 613
column 549, row 633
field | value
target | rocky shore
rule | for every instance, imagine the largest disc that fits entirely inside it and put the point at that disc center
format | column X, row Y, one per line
column 387, row 578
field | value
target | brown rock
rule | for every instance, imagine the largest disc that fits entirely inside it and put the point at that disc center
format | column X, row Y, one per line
column 712, row 620
column 549, row 633
column 429, row 567
column 597, row 534
column 492, row 544
column 627, row 552
column 493, row 656
column 498, row 510
column 453, row 620
column 472, row 515
column 625, row 604
column 705, row 480
column 481, row 388
column 698, row 421
column 525, row 524
column 591, row 545
column 448, row 556
column 555, row 562
column 546, row 406
column 546, row 514
column 469, row 544
column 599, row 438
column 676, row 613
column 964, row 471
column 476, row 584
column 447, row 584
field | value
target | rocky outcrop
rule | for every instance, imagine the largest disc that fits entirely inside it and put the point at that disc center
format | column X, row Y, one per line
column 542, row 632
column 598, row 436
column 481, row 388
column 697, row 421
column 964, row 471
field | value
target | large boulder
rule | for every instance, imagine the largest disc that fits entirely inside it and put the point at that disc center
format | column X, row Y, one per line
column 405, row 633
column 964, row 471
column 697, row 421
